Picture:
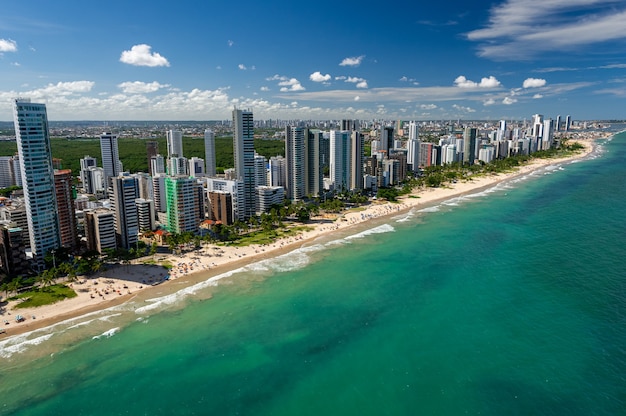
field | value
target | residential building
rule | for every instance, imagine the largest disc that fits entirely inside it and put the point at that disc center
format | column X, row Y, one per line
column 295, row 157
column 209, row 152
column 110, row 157
column 185, row 204
column 243, row 149
column 100, row 230
column 33, row 145
column 65, row 208
column 125, row 190
column 174, row 143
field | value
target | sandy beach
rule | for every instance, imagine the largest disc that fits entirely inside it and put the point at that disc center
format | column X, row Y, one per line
column 121, row 283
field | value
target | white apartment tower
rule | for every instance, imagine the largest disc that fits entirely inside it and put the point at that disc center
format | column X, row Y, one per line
column 209, row 152
column 110, row 156
column 243, row 149
column 340, row 153
column 33, row 146
column 174, row 143
column 125, row 191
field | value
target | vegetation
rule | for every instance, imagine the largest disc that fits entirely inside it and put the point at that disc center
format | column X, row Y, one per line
column 133, row 151
column 44, row 296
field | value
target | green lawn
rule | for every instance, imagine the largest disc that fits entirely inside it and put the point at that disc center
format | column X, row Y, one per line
column 44, row 296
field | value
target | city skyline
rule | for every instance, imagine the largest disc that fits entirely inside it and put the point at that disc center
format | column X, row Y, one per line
column 483, row 60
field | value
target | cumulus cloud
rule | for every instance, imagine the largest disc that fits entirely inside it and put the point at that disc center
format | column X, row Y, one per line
column 428, row 106
column 287, row 84
column 534, row 82
column 360, row 82
column 265, row 89
column 142, row 55
column 318, row 77
column 352, row 61
column 230, row 43
column 357, row 98
column 489, row 102
column 138, row 87
column 537, row 96
column 509, row 100
column 8, row 45
column 463, row 82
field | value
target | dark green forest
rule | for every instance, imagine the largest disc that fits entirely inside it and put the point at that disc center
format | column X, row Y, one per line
column 133, row 151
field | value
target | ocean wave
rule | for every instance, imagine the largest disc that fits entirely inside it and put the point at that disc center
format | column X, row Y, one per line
column 178, row 296
column 107, row 334
column 20, row 343
column 405, row 217
column 430, row 209
column 385, row 228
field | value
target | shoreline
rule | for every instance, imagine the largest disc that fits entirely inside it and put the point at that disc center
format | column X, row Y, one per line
column 123, row 283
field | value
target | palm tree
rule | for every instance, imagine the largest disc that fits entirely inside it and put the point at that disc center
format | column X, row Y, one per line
column 14, row 284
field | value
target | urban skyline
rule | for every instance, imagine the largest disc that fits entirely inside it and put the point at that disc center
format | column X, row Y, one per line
column 482, row 60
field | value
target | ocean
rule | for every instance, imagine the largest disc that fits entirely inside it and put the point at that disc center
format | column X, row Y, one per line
column 510, row 301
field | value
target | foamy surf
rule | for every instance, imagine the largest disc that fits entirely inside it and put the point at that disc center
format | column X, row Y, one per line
column 107, row 334
column 20, row 343
column 385, row 228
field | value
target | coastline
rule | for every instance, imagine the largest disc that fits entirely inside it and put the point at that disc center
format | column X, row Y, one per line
column 124, row 283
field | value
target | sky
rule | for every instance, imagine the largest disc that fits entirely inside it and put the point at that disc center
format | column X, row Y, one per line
column 408, row 60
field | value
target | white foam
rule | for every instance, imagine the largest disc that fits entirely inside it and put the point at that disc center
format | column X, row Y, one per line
column 430, row 209
column 19, row 344
column 108, row 334
column 385, row 228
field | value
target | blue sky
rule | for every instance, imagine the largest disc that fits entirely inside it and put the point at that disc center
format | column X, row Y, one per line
column 192, row 60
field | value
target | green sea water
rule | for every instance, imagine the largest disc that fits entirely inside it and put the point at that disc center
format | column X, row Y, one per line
column 511, row 301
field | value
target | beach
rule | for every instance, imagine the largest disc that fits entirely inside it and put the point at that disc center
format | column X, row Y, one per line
column 124, row 282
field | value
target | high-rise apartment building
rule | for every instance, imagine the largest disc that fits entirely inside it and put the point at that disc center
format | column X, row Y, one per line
column 152, row 149
column 174, row 143
column 313, row 173
column 157, row 165
column 100, row 230
column 469, row 145
column 65, row 209
column 33, row 146
column 185, row 204
column 209, row 152
column 260, row 170
column 294, row 154
column 110, row 156
column 125, row 189
column 7, row 176
column 356, row 160
column 243, row 149
column 340, row 152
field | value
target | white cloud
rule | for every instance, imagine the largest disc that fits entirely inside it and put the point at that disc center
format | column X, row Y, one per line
column 360, row 82
column 357, row 98
column 428, row 106
column 230, row 43
column 318, row 77
column 138, row 87
column 463, row 109
column 534, row 82
column 489, row 102
column 16, row 64
column 518, row 29
column 290, row 84
column 141, row 55
column 404, row 79
column 537, row 96
column 8, row 45
column 242, row 67
column 509, row 100
column 352, row 61
column 265, row 89
column 463, row 82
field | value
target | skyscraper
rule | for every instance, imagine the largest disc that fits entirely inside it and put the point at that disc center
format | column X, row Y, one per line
column 340, row 159
column 243, row 149
column 174, row 143
column 152, row 149
column 65, row 208
column 209, row 152
column 125, row 191
column 294, row 153
column 33, row 146
column 469, row 145
column 313, row 174
column 356, row 160
column 110, row 156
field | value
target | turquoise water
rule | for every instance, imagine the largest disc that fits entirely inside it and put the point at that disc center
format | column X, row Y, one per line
column 511, row 301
